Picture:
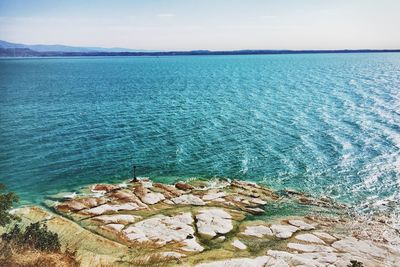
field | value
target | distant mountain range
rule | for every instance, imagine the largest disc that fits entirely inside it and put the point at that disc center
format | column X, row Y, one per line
column 66, row 48
column 8, row 49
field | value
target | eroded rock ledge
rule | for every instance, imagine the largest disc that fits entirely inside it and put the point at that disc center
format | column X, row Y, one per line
column 194, row 224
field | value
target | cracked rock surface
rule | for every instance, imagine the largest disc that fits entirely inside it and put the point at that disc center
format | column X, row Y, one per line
column 212, row 223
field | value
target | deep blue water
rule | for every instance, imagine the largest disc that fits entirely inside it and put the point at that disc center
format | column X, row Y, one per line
column 326, row 124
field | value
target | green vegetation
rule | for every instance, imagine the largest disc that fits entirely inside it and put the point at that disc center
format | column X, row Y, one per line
column 35, row 236
column 7, row 200
column 33, row 245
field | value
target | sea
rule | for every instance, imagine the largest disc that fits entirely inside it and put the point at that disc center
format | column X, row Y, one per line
column 324, row 124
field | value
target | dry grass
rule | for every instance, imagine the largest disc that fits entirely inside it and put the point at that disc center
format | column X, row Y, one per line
column 155, row 259
column 34, row 258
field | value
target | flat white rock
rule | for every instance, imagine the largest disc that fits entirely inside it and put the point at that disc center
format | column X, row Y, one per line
column 321, row 257
column 162, row 229
column 258, row 231
column 325, row 236
column 213, row 196
column 191, row 245
column 153, row 198
column 221, row 238
column 283, row 231
column 255, row 210
column 107, row 207
column 309, row 238
column 258, row 201
column 189, row 199
column 215, row 221
column 301, row 224
column 238, row 244
column 146, row 182
column 283, row 258
column 309, row 248
column 359, row 247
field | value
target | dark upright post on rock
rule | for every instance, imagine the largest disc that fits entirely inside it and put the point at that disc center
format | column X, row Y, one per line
column 134, row 174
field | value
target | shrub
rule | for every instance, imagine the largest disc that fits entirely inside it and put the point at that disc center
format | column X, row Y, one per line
column 33, row 246
column 35, row 236
column 13, row 236
column 7, row 200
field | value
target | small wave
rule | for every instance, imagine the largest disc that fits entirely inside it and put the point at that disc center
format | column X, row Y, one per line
column 373, row 178
column 245, row 165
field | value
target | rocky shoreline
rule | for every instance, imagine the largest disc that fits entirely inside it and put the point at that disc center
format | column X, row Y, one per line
column 228, row 224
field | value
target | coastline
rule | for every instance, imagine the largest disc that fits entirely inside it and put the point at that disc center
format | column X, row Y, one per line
column 26, row 53
column 196, row 224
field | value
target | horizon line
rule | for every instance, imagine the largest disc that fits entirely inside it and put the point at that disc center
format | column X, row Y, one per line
column 36, row 54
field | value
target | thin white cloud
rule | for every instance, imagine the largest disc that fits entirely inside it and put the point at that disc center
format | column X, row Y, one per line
column 166, row 15
column 267, row 17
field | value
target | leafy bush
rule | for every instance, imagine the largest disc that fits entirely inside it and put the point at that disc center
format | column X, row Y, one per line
column 13, row 236
column 6, row 202
column 35, row 236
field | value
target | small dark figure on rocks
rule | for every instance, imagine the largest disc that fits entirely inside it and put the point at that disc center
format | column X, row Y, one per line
column 135, row 179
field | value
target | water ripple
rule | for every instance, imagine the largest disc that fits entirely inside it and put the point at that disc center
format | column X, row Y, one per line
column 326, row 124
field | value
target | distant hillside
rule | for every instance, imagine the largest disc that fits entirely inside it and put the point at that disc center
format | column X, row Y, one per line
column 65, row 48
column 20, row 50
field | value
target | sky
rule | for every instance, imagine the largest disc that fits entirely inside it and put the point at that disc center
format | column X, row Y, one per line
column 204, row 24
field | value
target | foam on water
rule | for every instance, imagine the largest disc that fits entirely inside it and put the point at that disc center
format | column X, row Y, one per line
column 324, row 124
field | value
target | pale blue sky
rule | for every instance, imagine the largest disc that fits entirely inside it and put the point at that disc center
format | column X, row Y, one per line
column 204, row 24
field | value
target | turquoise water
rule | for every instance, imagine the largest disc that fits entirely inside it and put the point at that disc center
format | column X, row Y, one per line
column 326, row 124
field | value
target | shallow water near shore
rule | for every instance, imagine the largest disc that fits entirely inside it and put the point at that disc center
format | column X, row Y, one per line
column 323, row 124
